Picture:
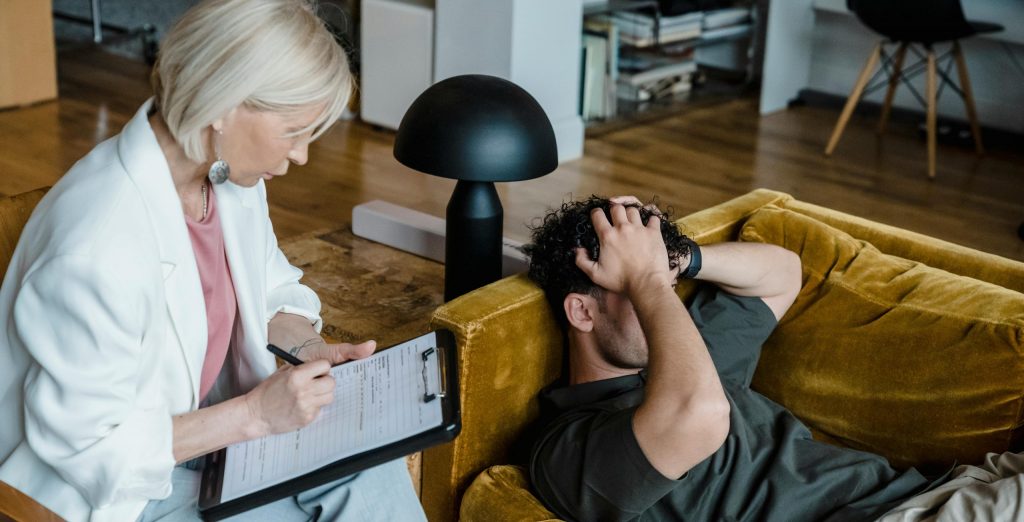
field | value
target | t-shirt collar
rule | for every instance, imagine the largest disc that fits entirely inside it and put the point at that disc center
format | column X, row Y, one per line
column 565, row 398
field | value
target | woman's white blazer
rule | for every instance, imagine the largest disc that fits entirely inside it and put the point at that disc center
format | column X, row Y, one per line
column 105, row 327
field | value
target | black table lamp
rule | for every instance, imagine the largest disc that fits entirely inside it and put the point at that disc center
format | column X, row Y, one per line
column 476, row 129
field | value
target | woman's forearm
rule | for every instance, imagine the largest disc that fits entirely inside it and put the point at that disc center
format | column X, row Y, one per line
column 209, row 429
column 294, row 334
column 212, row 428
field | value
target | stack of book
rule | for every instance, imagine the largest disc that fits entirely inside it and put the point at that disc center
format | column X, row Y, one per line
column 725, row 39
column 641, row 30
column 650, row 76
column 629, row 56
column 600, row 69
column 722, row 21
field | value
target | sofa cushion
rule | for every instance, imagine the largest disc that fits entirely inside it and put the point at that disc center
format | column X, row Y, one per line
column 892, row 356
column 933, row 252
column 505, row 486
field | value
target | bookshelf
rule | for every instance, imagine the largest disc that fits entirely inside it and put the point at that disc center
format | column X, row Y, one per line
column 635, row 60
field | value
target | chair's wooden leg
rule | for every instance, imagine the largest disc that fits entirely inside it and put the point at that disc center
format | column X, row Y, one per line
column 851, row 102
column 930, row 98
column 894, row 81
column 965, row 85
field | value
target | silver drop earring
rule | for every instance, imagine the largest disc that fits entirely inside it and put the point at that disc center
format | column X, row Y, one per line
column 220, row 169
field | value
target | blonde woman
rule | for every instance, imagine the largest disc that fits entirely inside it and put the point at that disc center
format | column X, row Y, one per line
column 148, row 282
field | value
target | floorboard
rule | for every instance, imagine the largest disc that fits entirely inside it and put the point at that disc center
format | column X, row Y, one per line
column 696, row 158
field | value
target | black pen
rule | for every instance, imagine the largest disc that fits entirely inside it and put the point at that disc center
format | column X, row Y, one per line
column 287, row 357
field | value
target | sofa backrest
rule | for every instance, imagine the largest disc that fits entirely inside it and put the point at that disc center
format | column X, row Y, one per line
column 933, row 252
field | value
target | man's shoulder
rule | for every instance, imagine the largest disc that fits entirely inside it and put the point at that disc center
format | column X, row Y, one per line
column 567, row 402
column 573, row 423
column 587, row 464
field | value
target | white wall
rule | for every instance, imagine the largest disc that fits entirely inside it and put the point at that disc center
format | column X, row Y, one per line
column 841, row 46
column 397, row 40
column 818, row 44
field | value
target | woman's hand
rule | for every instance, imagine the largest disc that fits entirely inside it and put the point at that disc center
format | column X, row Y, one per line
column 291, row 397
column 316, row 349
column 295, row 335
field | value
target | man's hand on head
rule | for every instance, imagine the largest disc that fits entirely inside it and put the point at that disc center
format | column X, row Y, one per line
column 632, row 255
column 633, row 200
column 625, row 200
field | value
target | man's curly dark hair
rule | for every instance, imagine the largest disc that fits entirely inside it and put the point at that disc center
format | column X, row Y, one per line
column 552, row 249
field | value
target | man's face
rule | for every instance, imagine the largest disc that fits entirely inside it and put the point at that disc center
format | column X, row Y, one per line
column 620, row 339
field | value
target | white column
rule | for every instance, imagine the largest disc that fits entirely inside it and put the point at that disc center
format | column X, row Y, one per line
column 397, row 40
column 787, row 59
column 533, row 43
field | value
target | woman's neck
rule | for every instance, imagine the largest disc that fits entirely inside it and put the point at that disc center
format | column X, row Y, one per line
column 188, row 176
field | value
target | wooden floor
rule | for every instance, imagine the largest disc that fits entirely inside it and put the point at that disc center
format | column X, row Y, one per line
column 699, row 158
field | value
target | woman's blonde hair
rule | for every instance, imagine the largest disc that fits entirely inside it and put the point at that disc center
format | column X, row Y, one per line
column 271, row 55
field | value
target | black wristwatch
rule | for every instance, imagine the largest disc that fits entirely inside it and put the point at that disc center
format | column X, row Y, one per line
column 691, row 271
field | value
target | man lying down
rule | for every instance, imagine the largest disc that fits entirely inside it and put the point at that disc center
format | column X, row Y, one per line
column 657, row 420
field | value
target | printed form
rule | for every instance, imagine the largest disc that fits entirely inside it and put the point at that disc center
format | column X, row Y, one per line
column 377, row 401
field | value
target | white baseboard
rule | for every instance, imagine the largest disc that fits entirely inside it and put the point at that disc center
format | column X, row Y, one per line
column 421, row 234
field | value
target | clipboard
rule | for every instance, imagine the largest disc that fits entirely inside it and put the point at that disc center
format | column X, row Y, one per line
column 428, row 370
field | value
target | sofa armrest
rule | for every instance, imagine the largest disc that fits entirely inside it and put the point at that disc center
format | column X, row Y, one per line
column 509, row 347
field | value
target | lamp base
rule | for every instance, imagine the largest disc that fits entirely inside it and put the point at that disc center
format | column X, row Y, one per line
column 472, row 249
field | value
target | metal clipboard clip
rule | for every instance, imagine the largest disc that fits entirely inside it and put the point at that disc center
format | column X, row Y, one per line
column 441, row 374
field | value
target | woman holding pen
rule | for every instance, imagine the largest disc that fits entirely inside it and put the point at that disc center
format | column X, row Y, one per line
column 148, row 283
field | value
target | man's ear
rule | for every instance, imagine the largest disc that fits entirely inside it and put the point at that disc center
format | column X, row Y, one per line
column 580, row 310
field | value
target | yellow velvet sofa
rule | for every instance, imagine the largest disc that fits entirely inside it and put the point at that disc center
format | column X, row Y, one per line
column 898, row 343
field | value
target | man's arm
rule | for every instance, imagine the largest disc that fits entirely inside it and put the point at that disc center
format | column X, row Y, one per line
column 684, row 417
column 754, row 269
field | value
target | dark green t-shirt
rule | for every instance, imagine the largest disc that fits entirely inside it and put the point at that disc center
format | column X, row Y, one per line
column 587, row 464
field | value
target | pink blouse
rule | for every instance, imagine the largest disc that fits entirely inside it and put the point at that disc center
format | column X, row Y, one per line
column 218, row 291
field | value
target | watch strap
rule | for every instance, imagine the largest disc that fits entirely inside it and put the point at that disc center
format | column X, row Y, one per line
column 693, row 269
